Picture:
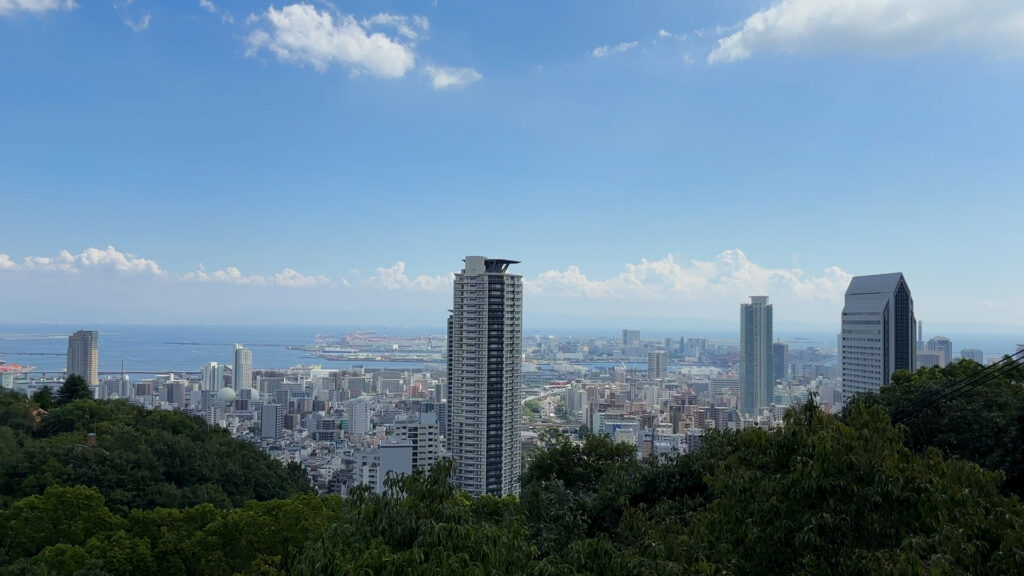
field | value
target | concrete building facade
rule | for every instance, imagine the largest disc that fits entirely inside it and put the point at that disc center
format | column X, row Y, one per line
column 657, row 364
column 83, row 356
column 242, row 371
column 485, row 380
column 757, row 370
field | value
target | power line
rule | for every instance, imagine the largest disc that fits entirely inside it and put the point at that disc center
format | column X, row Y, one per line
column 980, row 378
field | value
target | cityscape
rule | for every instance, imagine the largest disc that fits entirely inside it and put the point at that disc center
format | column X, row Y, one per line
column 482, row 395
column 352, row 287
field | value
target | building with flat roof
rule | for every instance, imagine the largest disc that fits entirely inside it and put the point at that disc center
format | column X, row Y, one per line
column 757, row 370
column 974, row 354
column 83, row 356
column 657, row 364
column 485, row 379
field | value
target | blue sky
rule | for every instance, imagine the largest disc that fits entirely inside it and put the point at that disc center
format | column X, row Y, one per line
column 651, row 163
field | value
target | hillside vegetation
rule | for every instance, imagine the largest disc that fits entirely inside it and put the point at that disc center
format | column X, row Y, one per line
column 824, row 495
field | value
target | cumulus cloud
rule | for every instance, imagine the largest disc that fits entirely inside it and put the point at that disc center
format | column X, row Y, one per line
column 730, row 273
column 602, row 51
column 34, row 6
column 394, row 278
column 6, row 263
column 231, row 275
column 442, row 77
column 899, row 26
column 92, row 258
column 208, row 6
column 301, row 33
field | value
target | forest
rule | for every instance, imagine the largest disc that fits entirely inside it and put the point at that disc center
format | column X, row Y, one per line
column 163, row 493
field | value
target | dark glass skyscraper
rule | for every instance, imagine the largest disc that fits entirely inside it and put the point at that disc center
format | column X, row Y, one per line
column 879, row 329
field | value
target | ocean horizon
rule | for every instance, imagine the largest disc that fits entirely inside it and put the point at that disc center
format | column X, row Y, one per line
column 187, row 347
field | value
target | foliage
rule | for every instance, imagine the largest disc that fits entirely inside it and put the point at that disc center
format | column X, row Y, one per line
column 44, row 398
column 820, row 496
column 74, row 388
column 141, row 458
column 985, row 425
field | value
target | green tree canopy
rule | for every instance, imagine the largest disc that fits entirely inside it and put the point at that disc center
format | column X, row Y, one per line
column 74, row 388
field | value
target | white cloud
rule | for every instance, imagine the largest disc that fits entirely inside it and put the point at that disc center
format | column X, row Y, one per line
column 410, row 27
column 231, row 275
column 890, row 26
column 35, row 6
column 138, row 25
column 602, row 51
column 394, row 278
column 301, row 33
column 442, row 77
column 93, row 258
column 289, row 277
column 729, row 274
column 212, row 8
column 6, row 263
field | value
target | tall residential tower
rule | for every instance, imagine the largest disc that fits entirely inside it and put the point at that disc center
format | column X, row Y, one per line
column 485, row 379
column 241, row 373
column 83, row 356
column 757, row 370
column 878, row 332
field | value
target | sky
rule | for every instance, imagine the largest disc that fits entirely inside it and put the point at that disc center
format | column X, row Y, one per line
column 651, row 163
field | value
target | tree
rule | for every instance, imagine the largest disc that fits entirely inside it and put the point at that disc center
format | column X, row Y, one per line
column 825, row 497
column 983, row 425
column 74, row 388
column 43, row 398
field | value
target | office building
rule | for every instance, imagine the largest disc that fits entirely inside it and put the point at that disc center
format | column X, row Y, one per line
column 657, row 364
column 83, row 356
column 878, row 329
column 242, row 370
column 974, row 354
column 485, row 380
column 757, row 371
column 780, row 357
column 944, row 346
column 271, row 421
column 630, row 338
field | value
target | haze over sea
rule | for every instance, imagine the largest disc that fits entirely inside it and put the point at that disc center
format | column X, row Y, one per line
column 163, row 347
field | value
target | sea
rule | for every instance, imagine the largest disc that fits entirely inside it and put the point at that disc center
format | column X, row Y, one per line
column 163, row 348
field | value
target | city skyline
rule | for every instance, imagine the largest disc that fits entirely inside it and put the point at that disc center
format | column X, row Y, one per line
column 672, row 158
